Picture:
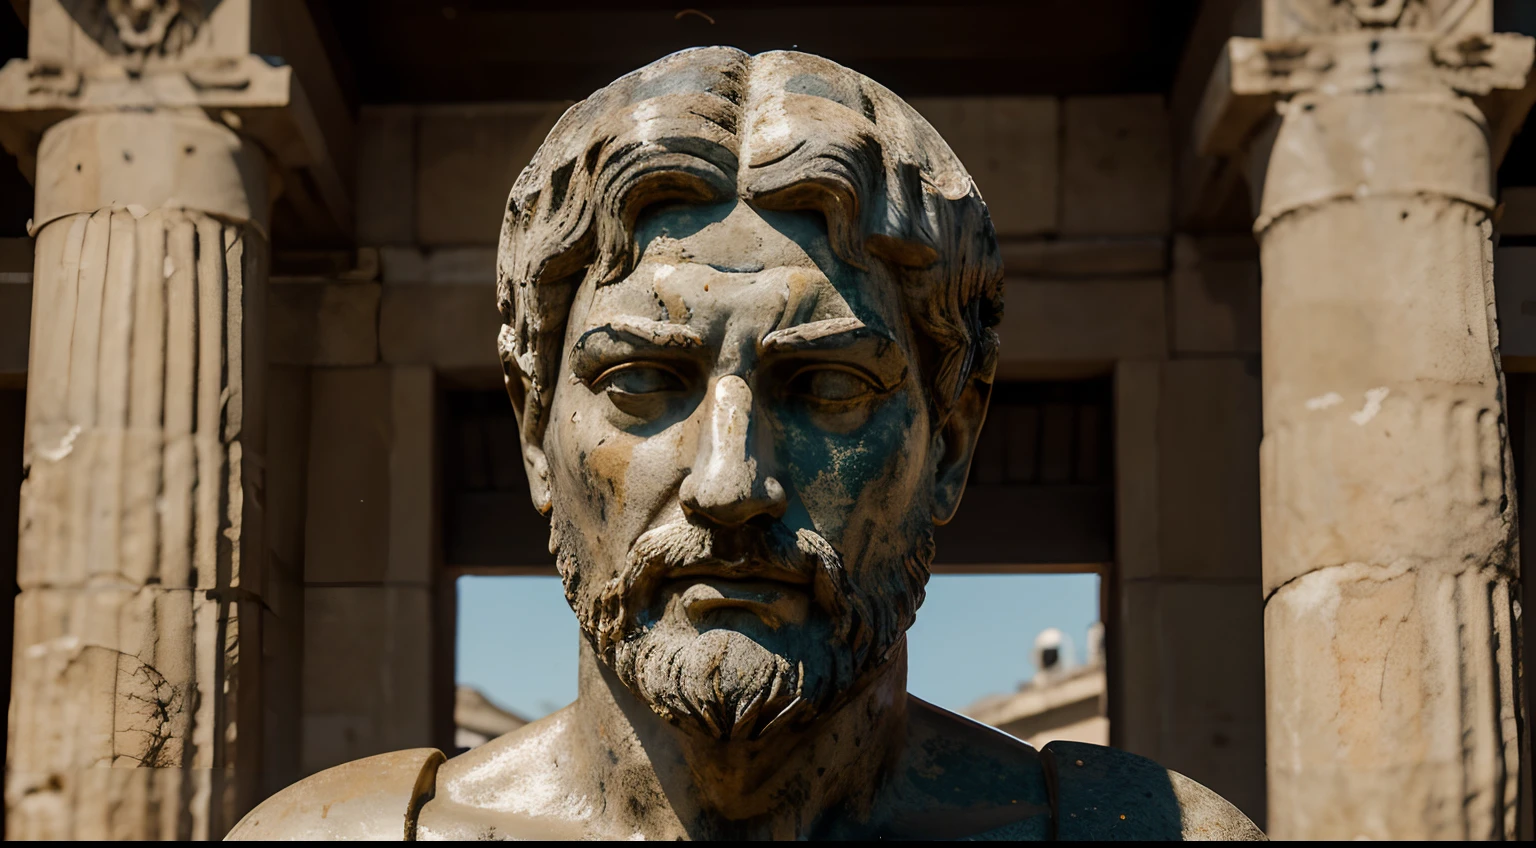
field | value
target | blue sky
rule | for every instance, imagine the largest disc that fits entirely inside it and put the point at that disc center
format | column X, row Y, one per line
column 517, row 638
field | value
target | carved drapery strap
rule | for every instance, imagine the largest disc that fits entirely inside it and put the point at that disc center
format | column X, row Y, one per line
column 142, row 504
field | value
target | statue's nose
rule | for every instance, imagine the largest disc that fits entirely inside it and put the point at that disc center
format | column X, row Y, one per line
column 728, row 485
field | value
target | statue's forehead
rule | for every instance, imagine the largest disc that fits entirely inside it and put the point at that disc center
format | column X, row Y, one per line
column 728, row 261
column 700, row 295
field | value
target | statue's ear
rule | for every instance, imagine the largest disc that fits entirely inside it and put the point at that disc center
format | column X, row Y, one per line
column 530, row 429
column 954, row 443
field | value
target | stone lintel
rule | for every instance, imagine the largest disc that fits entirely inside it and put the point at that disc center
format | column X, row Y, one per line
column 1074, row 328
column 1252, row 74
column 1090, row 257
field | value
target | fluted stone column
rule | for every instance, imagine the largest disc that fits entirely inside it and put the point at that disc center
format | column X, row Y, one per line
column 1388, row 497
column 156, row 135
column 142, row 496
column 1388, row 489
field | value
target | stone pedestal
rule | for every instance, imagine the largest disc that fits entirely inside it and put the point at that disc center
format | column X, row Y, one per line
column 143, row 491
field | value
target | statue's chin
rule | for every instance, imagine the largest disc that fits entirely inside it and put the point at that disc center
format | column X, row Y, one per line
column 727, row 685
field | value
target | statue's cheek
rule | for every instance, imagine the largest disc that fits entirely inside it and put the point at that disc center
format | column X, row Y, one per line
column 865, row 469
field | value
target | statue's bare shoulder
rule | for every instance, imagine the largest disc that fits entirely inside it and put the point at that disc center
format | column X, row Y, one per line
column 1108, row 794
column 516, row 786
column 375, row 798
column 964, row 780
column 1068, row 791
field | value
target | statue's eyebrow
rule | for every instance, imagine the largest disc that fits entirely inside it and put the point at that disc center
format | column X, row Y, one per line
column 651, row 331
column 847, row 339
column 646, row 331
column 833, row 332
column 625, row 333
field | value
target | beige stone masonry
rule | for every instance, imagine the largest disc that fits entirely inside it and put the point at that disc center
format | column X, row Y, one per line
column 1252, row 75
column 1296, row 18
column 282, row 655
column 282, row 631
column 288, row 407
column 466, row 158
column 386, row 176
column 1058, row 259
column 367, row 667
column 1138, row 393
column 370, row 564
column 442, row 325
column 1011, row 147
column 1195, row 695
column 1188, row 572
column 323, row 323
column 1214, row 295
column 1208, row 429
column 370, row 484
column 120, row 159
column 1087, row 324
column 1116, row 166
column 349, row 493
column 474, row 266
column 413, row 463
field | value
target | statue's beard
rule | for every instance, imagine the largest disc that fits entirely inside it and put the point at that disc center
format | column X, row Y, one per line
column 747, row 679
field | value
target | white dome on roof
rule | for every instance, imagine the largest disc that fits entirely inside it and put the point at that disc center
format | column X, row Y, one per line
column 1052, row 651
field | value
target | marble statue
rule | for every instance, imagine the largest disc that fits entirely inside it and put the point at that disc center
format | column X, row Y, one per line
column 749, row 306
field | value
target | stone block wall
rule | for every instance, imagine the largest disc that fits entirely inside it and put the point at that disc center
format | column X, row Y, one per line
column 1187, row 654
column 370, row 564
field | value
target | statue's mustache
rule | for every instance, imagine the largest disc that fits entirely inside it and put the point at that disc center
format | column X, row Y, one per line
column 683, row 548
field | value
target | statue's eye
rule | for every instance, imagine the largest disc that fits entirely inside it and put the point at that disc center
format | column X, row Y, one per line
column 831, row 385
column 640, row 378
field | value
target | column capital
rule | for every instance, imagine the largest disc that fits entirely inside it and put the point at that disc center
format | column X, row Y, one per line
column 257, row 67
column 1252, row 75
column 1292, row 18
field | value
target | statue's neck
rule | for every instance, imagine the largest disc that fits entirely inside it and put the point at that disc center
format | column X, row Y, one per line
column 666, row 781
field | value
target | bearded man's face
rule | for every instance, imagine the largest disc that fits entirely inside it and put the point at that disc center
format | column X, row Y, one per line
column 741, row 468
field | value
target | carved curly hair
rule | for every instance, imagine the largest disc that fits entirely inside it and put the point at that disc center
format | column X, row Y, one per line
column 784, row 131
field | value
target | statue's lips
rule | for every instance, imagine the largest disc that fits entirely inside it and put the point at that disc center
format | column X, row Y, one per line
column 751, row 570
column 775, row 601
